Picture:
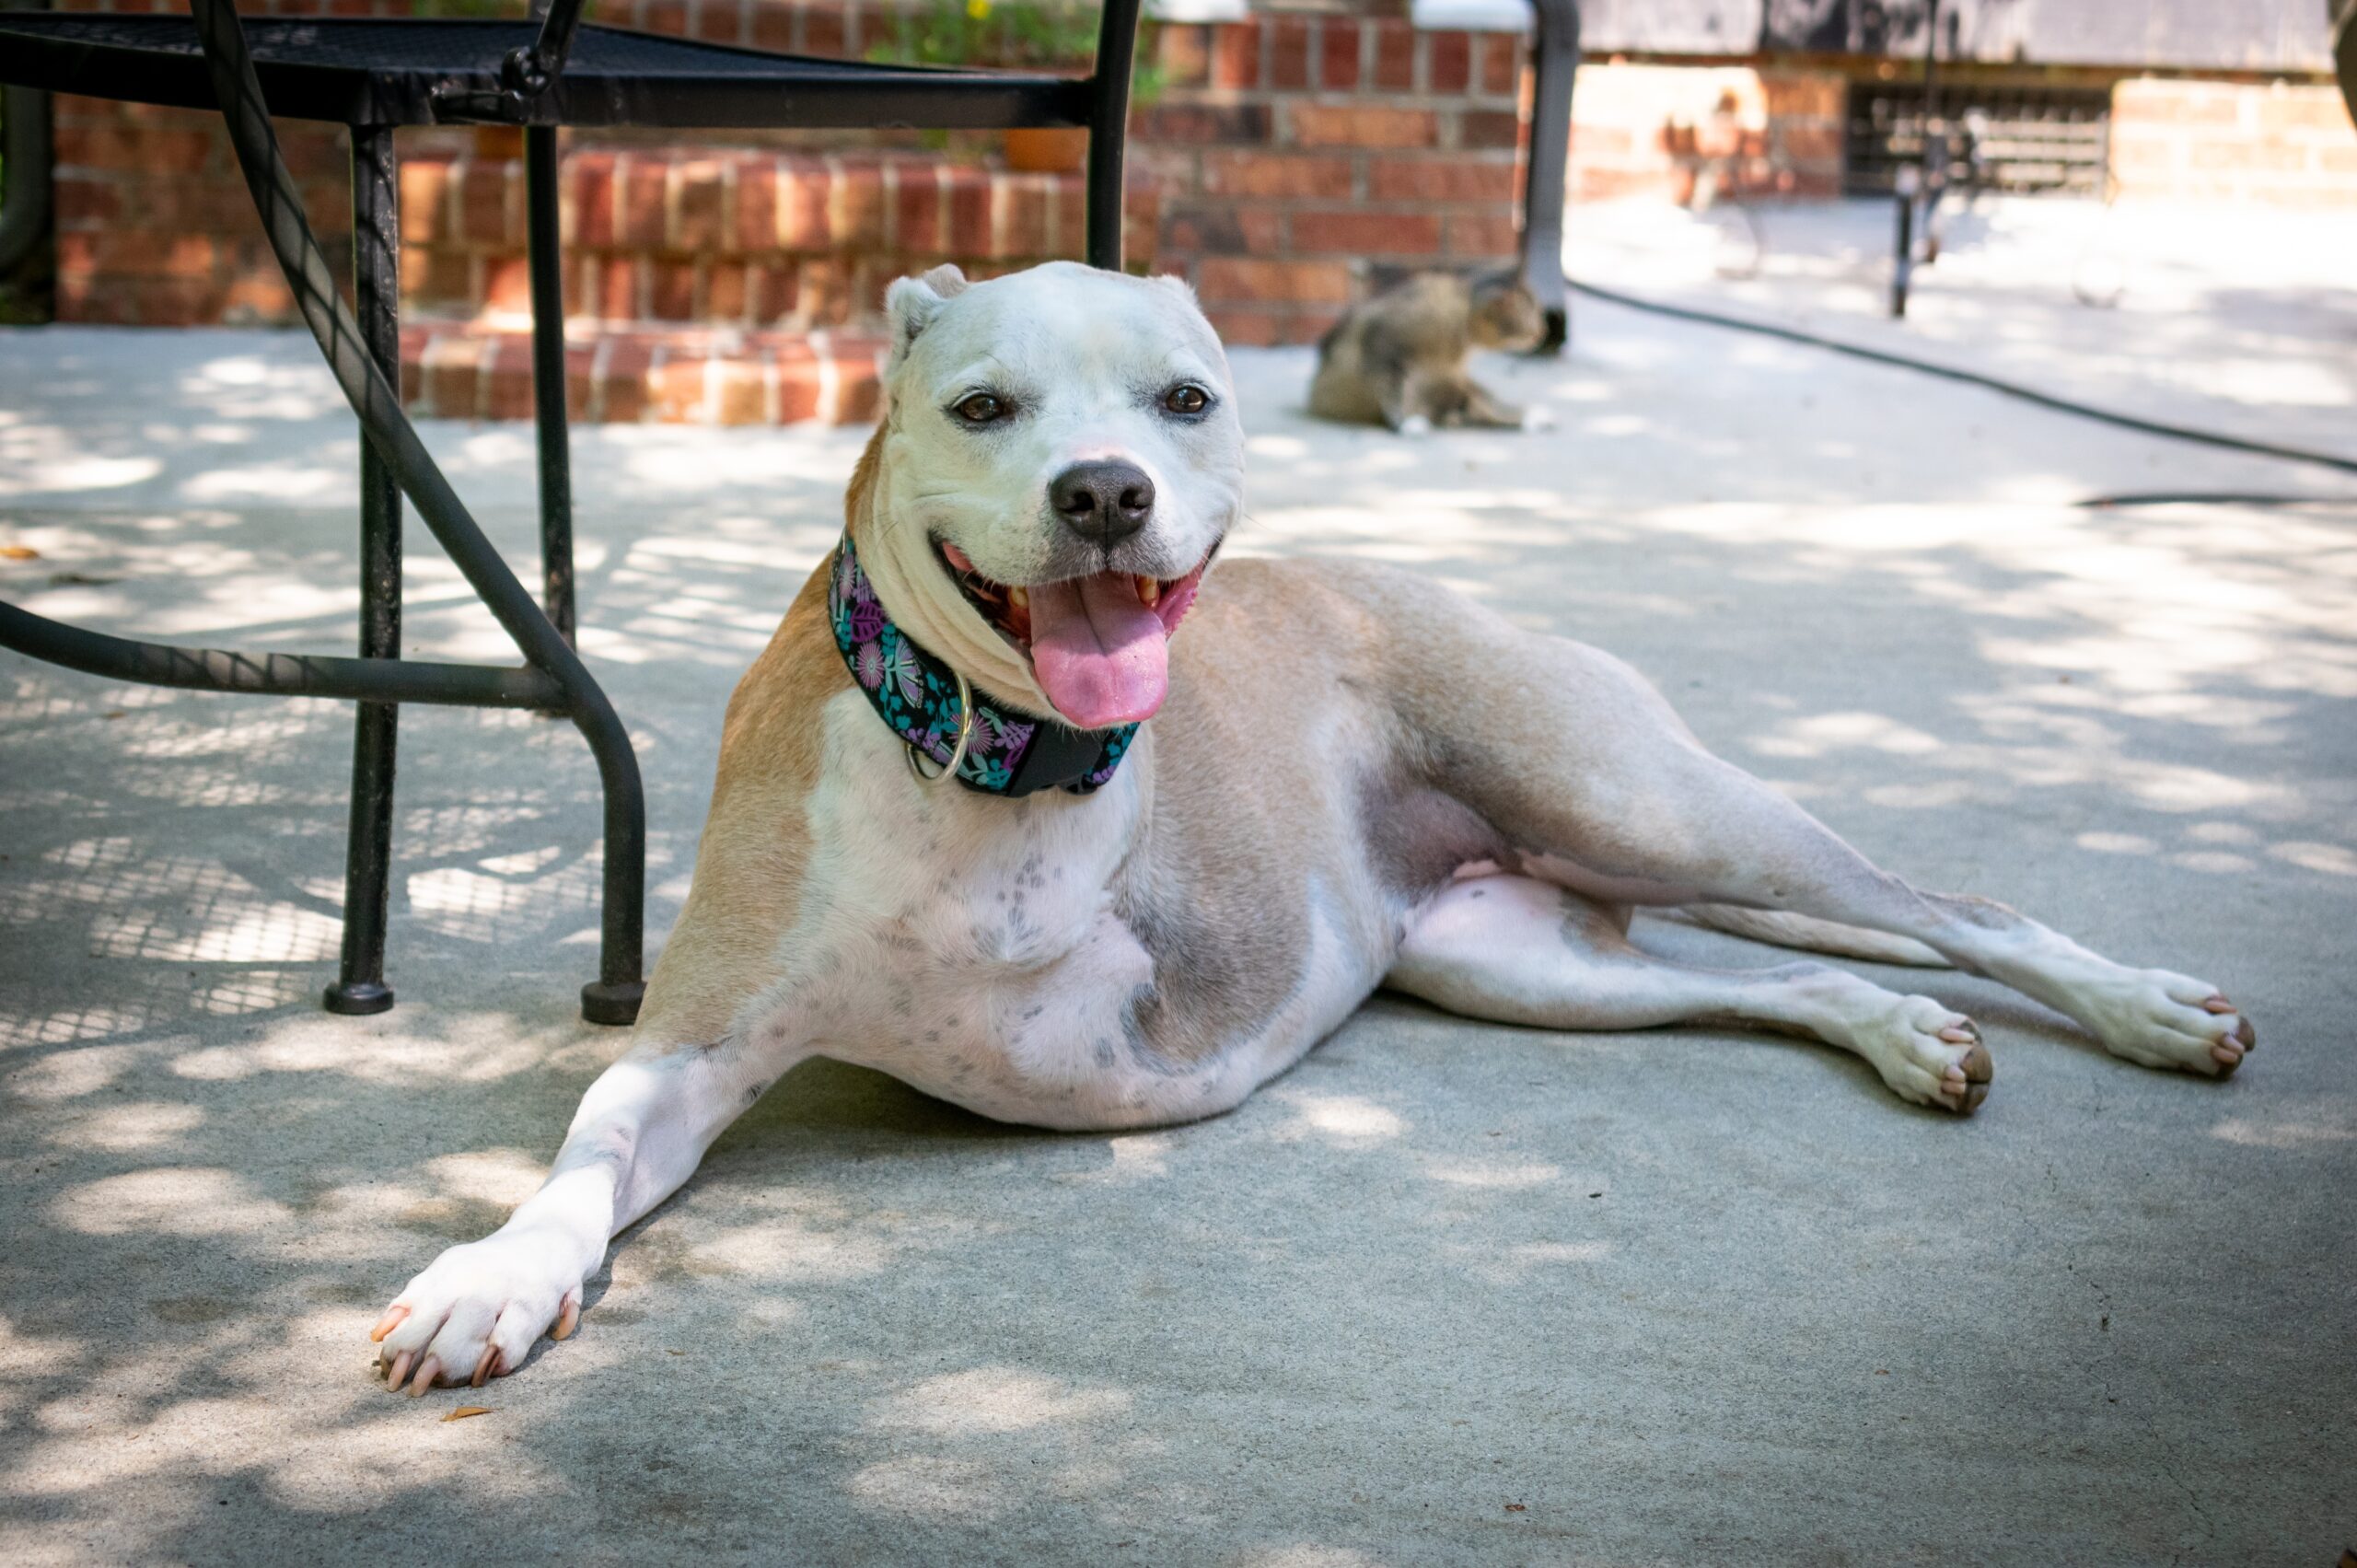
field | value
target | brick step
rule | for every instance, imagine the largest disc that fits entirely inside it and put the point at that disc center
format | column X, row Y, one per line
column 649, row 373
column 737, row 237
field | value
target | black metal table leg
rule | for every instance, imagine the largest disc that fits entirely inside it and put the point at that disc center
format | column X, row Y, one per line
column 1922, row 180
column 1902, row 239
column 377, row 291
column 1555, row 64
column 1109, row 127
column 544, row 248
column 614, row 995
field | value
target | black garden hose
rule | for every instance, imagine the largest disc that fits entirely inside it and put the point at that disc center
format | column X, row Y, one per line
column 1975, row 378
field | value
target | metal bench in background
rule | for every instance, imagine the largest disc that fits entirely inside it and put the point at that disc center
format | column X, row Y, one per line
column 543, row 73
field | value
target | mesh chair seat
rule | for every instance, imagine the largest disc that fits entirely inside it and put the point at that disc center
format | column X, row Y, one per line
column 380, row 72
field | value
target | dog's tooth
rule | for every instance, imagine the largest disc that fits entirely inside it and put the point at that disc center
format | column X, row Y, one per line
column 1149, row 591
column 1019, row 598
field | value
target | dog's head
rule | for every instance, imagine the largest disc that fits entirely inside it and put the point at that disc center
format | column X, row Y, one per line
column 1060, row 459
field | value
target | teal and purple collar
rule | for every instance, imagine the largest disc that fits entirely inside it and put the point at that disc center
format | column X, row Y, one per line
column 924, row 703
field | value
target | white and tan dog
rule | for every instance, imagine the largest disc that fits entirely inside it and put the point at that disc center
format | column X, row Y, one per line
column 1356, row 780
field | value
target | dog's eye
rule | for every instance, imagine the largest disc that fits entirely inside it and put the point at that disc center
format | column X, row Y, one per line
column 1186, row 398
column 978, row 408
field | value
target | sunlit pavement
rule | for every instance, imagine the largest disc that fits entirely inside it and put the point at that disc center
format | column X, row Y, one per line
column 1446, row 1293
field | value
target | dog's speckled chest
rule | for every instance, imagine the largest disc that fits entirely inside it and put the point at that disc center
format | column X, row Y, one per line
column 970, row 945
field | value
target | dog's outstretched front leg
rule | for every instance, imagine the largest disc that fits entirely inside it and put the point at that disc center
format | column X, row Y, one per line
column 476, row 1311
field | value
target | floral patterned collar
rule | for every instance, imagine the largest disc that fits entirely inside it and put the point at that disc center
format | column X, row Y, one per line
column 918, row 697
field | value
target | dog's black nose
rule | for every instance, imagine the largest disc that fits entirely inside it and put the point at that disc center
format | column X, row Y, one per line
column 1104, row 503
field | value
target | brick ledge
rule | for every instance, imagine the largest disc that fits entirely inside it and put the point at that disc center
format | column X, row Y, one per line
column 650, row 374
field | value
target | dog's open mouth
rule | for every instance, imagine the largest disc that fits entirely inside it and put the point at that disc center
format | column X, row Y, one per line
column 1098, row 644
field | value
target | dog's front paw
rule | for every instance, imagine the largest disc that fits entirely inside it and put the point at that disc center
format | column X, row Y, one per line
column 1538, row 419
column 1415, row 424
column 475, row 1311
column 2156, row 1018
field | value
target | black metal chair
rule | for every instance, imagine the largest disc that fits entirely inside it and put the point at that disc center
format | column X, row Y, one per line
column 375, row 76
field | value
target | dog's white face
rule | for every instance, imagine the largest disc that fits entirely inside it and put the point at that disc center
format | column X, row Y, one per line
column 1066, row 441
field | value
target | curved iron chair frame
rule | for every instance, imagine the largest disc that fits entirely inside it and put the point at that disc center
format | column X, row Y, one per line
column 148, row 59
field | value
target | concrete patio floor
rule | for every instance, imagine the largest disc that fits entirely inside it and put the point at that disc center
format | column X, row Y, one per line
column 1446, row 1293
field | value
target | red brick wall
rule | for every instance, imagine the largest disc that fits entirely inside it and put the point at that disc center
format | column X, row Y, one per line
column 1651, row 130
column 154, row 225
column 1297, row 153
column 1292, row 151
column 731, row 237
column 2278, row 143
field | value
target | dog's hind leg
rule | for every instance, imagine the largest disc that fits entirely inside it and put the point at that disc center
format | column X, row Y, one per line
column 1810, row 934
column 1582, row 767
column 1516, row 950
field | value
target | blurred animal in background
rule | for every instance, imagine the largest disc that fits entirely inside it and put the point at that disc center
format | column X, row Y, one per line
column 1399, row 359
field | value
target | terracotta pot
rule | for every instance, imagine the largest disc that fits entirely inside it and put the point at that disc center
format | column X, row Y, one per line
column 1062, row 149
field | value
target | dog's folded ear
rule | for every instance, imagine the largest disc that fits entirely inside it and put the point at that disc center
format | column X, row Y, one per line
column 912, row 303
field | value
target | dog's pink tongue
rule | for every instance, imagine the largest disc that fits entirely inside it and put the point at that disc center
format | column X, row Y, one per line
column 1099, row 653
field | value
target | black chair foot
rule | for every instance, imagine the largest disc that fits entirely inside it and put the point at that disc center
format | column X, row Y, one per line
column 1559, row 332
column 605, row 1004
column 358, row 998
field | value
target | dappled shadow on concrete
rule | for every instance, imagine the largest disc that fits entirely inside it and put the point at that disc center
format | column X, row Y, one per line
column 1445, row 1293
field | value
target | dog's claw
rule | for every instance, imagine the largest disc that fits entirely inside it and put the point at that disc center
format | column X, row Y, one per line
column 428, row 1371
column 1980, row 1070
column 1979, row 1067
column 386, row 1324
column 568, row 1315
column 399, row 1374
column 2228, row 1053
column 1965, row 1082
